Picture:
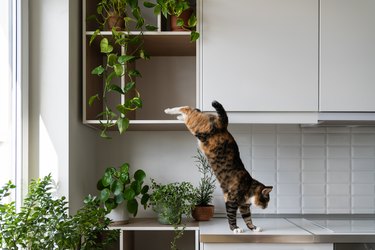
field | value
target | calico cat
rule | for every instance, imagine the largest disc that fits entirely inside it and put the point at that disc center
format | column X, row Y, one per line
column 239, row 188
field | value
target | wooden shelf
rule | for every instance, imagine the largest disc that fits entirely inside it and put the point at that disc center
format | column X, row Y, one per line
column 151, row 224
column 146, row 125
column 164, row 43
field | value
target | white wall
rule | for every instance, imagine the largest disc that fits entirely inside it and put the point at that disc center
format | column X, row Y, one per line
column 59, row 143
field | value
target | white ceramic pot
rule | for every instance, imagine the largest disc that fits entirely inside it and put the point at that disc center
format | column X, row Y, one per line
column 119, row 215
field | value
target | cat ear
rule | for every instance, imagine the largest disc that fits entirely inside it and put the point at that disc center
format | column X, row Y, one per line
column 267, row 190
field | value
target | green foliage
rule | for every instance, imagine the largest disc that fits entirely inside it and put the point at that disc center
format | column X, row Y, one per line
column 172, row 201
column 206, row 186
column 122, row 50
column 117, row 186
column 175, row 8
column 43, row 221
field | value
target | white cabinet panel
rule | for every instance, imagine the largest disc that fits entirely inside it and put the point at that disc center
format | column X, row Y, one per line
column 249, row 246
column 347, row 55
column 260, row 55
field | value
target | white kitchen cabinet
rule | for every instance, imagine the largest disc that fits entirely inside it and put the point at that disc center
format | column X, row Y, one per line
column 347, row 55
column 255, row 246
column 259, row 55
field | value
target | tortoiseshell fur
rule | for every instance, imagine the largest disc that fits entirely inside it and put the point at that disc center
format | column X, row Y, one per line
column 239, row 188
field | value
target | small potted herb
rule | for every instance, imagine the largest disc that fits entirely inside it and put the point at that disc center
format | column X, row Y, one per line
column 203, row 209
column 172, row 201
column 119, row 189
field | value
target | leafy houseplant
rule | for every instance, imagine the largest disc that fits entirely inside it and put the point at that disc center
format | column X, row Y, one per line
column 203, row 209
column 177, row 9
column 117, row 186
column 170, row 202
column 121, row 50
column 43, row 221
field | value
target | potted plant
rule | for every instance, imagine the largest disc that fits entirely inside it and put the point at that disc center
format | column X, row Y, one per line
column 43, row 221
column 181, row 14
column 203, row 209
column 172, row 201
column 112, row 14
column 120, row 192
column 120, row 50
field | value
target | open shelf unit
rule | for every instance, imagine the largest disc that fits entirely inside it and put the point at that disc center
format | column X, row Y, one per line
column 169, row 78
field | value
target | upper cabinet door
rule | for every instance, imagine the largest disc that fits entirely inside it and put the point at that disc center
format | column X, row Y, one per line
column 260, row 55
column 347, row 55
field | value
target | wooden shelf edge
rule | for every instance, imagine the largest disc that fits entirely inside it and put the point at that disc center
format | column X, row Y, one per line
column 146, row 125
column 146, row 33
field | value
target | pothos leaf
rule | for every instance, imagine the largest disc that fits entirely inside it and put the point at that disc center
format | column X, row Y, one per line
column 122, row 124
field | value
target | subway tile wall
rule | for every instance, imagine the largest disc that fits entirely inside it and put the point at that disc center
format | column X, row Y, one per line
column 314, row 170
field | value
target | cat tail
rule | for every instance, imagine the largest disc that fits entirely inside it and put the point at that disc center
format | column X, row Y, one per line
column 221, row 112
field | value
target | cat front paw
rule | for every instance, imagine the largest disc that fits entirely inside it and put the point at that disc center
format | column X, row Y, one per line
column 237, row 230
column 257, row 229
column 167, row 111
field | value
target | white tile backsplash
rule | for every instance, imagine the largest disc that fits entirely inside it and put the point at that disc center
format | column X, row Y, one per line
column 318, row 170
column 313, row 170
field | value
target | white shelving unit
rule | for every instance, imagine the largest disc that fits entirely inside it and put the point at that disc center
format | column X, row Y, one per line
column 150, row 224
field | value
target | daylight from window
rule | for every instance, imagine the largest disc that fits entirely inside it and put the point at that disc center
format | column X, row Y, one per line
column 6, row 135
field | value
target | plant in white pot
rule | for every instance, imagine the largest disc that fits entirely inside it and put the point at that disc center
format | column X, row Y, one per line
column 120, row 192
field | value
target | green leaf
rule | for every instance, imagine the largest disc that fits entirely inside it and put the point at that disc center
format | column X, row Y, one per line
column 111, row 60
column 117, row 187
column 157, row 10
column 105, row 47
column 107, row 179
column 136, row 186
column 119, row 199
column 122, row 124
column 125, row 58
column 145, row 189
column 100, row 185
column 145, row 198
column 118, row 69
column 139, row 175
column 192, row 22
column 133, row 3
column 179, row 22
column 134, row 72
column 194, row 36
column 92, row 38
column 151, row 27
column 129, row 194
column 124, row 168
column 98, row 70
column 104, row 194
column 122, row 109
column 129, row 86
column 133, row 207
column 92, row 99
column 143, row 54
column 136, row 101
column 110, row 204
column 149, row 5
column 116, row 88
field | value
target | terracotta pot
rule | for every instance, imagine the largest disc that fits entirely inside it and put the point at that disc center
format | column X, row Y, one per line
column 185, row 15
column 115, row 21
column 203, row 213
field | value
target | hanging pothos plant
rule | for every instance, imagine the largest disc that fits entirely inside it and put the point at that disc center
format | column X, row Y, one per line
column 120, row 51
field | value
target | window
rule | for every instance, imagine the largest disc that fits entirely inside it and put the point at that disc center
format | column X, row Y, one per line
column 13, row 90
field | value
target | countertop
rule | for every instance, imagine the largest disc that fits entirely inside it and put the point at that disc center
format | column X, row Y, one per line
column 291, row 230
